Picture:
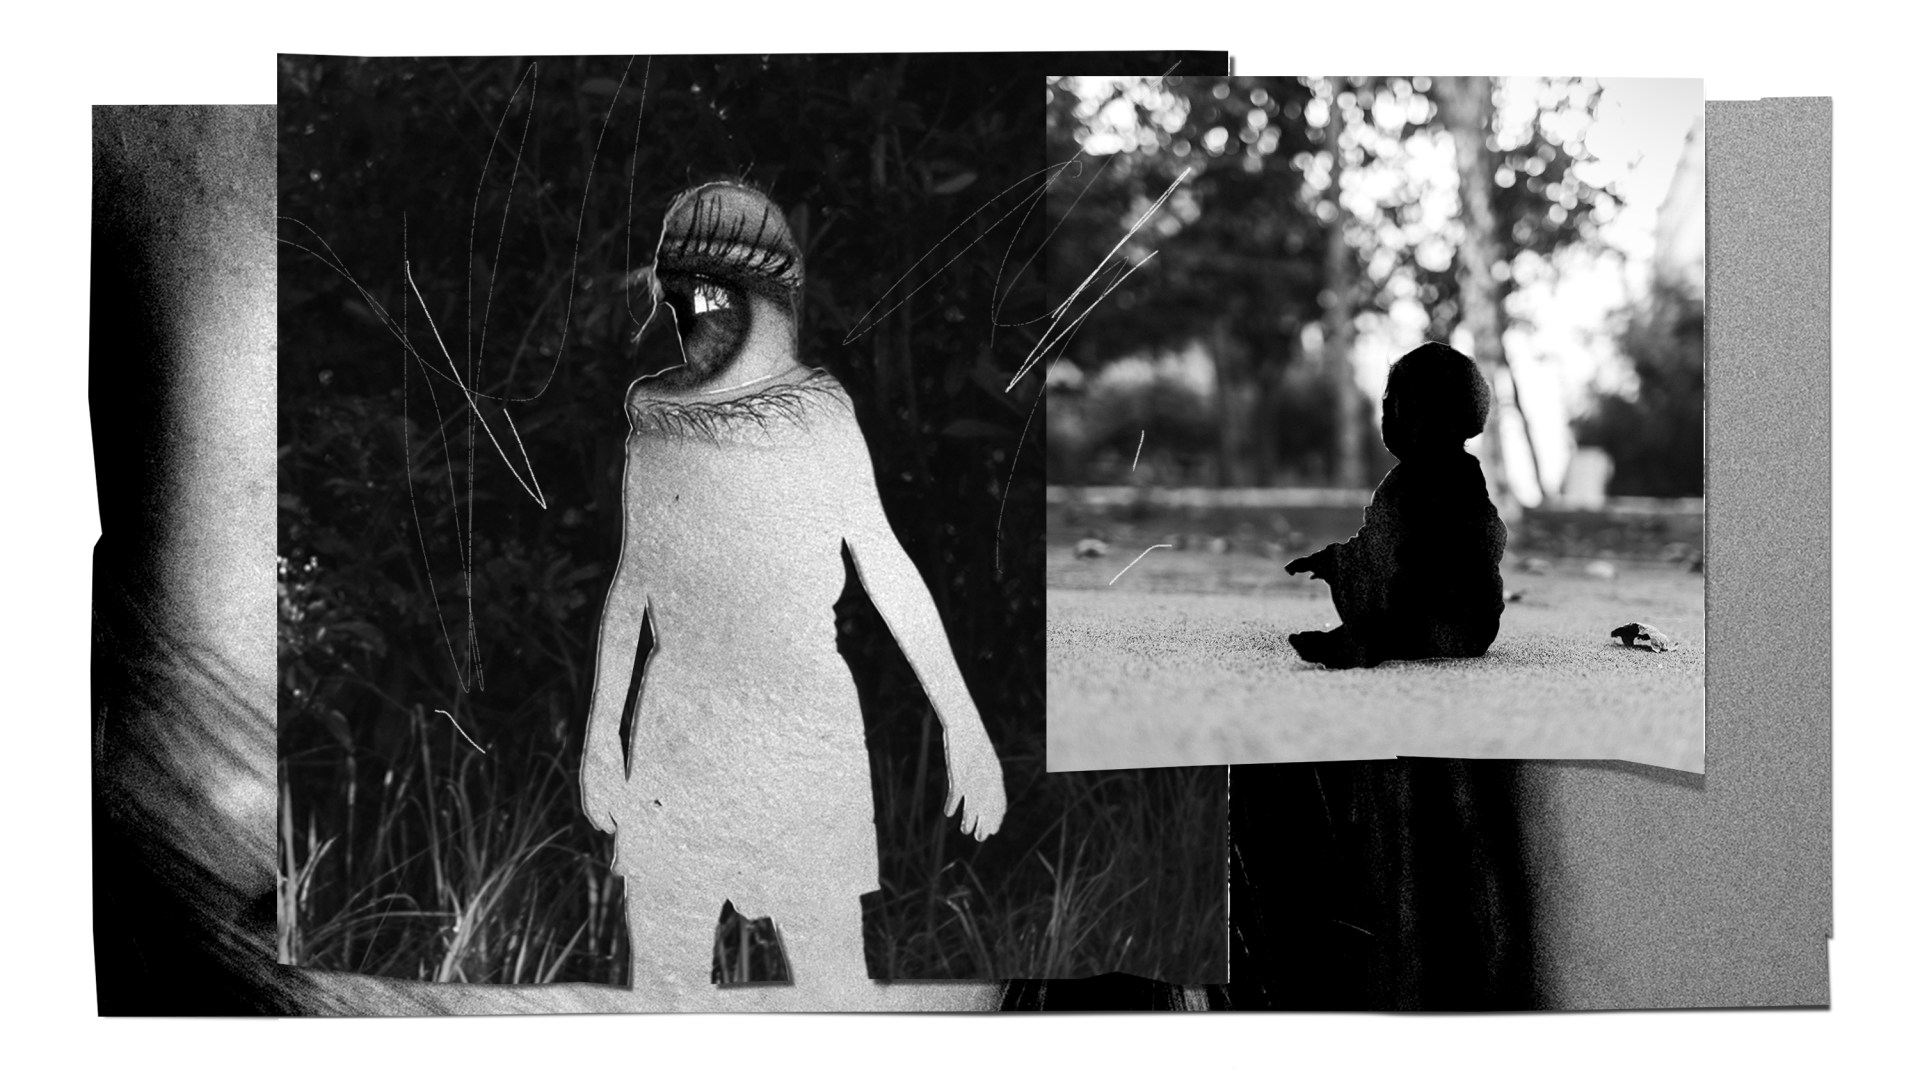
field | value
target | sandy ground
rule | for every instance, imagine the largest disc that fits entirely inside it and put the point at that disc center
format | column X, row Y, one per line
column 1185, row 662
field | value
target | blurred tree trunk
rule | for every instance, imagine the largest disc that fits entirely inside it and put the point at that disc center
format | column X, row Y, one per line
column 1466, row 107
column 1267, row 423
column 1520, row 408
column 1349, row 469
column 1239, row 402
column 1513, row 385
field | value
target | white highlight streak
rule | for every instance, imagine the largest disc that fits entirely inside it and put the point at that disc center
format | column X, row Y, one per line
column 461, row 730
column 1129, row 566
column 1053, row 333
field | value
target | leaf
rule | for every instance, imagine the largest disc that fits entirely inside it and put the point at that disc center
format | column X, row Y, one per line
column 336, row 725
column 956, row 183
column 361, row 312
column 994, row 383
column 366, row 632
column 1644, row 636
column 976, row 429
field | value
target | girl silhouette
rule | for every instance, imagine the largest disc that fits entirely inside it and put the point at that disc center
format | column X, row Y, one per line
column 747, row 778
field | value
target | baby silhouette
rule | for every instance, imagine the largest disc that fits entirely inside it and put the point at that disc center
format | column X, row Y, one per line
column 745, row 779
column 1421, row 578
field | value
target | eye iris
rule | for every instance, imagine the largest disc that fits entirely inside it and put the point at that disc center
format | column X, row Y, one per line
column 720, row 244
column 707, row 298
column 712, row 316
column 706, row 306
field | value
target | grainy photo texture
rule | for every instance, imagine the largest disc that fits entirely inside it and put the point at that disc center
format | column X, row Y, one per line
column 778, row 602
column 1382, row 434
column 1637, row 886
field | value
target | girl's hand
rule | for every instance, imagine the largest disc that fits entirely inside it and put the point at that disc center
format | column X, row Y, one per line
column 974, row 778
column 597, row 799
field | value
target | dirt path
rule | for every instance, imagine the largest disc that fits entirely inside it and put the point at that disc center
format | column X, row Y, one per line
column 1185, row 662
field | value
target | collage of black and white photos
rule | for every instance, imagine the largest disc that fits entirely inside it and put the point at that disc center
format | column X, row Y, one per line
column 865, row 531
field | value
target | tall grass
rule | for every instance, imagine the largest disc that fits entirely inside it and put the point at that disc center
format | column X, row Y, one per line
column 456, row 866
column 1091, row 872
column 459, row 866
column 406, row 851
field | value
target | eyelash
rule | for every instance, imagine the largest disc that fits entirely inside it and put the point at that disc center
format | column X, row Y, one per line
column 714, row 261
column 711, row 252
column 712, row 419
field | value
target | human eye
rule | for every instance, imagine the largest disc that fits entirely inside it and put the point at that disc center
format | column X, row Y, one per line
column 713, row 320
column 726, row 262
column 708, row 297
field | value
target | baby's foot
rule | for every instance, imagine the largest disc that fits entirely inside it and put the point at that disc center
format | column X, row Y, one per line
column 1329, row 647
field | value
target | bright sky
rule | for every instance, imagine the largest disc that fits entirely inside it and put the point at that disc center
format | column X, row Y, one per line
column 1637, row 138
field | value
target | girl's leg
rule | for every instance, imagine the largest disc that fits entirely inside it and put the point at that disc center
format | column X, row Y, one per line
column 672, row 948
column 821, row 937
column 670, row 938
column 826, row 953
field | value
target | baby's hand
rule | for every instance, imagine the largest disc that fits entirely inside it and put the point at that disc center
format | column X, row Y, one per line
column 974, row 777
column 1307, row 564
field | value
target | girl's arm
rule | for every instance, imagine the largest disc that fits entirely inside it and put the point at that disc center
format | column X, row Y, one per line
column 900, row 595
column 603, row 769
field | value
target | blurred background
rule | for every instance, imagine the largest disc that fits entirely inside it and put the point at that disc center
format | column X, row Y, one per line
column 1553, row 229
column 437, row 625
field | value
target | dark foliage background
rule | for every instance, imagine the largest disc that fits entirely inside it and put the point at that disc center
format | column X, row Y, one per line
column 406, row 852
column 1656, row 435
